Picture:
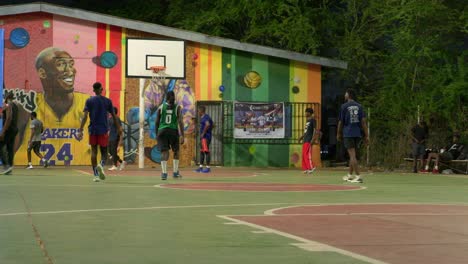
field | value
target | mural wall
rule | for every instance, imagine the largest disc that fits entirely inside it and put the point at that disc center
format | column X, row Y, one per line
column 51, row 62
column 226, row 74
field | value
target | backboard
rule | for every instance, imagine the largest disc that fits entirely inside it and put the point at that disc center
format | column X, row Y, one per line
column 144, row 53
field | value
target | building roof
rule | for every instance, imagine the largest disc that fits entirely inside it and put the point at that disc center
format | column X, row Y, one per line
column 169, row 32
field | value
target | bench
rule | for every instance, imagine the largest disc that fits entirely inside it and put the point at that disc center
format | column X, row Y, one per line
column 453, row 164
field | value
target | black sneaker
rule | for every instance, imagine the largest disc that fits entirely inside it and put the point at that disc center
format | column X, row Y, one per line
column 177, row 175
column 46, row 164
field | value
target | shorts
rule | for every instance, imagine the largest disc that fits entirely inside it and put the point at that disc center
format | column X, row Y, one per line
column 352, row 142
column 418, row 150
column 205, row 145
column 101, row 140
column 168, row 139
column 35, row 145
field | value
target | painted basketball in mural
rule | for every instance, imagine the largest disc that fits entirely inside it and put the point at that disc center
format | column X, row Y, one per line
column 252, row 79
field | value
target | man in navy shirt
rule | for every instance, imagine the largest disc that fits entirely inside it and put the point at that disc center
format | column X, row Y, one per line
column 206, row 126
column 352, row 121
column 98, row 107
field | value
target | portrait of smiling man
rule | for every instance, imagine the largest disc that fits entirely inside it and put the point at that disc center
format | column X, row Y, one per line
column 59, row 106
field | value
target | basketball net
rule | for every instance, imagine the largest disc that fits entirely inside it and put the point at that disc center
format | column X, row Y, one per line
column 158, row 74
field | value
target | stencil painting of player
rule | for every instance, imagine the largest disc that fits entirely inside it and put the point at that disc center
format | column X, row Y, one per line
column 59, row 106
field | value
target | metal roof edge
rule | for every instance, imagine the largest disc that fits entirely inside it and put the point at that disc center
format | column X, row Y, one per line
column 170, row 32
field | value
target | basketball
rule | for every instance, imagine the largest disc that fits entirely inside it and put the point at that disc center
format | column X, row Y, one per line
column 252, row 79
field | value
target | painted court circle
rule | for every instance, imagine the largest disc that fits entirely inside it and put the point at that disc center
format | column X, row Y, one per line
column 261, row 187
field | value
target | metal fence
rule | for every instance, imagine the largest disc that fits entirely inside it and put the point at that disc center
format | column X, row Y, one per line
column 222, row 114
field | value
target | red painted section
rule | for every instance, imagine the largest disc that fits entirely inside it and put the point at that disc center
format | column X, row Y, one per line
column 101, row 47
column 19, row 69
column 275, row 187
column 115, row 73
column 391, row 233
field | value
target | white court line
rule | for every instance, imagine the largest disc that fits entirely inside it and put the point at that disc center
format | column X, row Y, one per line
column 306, row 244
column 139, row 208
column 93, row 185
column 272, row 211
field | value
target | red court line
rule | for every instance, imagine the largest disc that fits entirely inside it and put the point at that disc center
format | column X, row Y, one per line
column 252, row 186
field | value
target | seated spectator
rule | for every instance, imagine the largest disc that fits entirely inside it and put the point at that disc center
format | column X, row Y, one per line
column 419, row 135
column 454, row 151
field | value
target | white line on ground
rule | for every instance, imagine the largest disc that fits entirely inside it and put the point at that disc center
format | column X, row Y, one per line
column 307, row 244
column 272, row 211
column 140, row 208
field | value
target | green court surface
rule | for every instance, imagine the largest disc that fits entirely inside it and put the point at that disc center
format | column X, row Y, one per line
column 58, row 215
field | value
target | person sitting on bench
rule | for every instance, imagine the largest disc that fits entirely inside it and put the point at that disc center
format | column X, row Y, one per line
column 451, row 152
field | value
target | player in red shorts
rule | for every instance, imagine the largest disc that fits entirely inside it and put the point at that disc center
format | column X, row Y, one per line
column 206, row 126
column 98, row 107
column 307, row 139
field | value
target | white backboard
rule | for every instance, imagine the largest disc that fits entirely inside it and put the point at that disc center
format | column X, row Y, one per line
column 144, row 53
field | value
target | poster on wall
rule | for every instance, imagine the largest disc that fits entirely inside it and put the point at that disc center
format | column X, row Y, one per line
column 258, row 120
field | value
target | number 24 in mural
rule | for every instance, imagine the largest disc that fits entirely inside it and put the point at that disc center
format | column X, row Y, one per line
column 64, row 154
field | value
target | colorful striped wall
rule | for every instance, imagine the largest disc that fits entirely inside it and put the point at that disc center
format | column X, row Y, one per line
column 220, row 66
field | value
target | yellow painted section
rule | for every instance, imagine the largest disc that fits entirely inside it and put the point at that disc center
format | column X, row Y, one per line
column 308, row 78
column 299, row 78
column 216, row 72
column 107, row 85
column 203, row 66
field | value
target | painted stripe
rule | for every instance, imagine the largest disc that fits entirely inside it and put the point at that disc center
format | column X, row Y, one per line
column 2, row 61
column 314, row 83
column 115, row 78
column 107, row 85
column 300, row 79
column 123, row 83
column 209, row 81
column 101, row 47
column 306, row 244
column 216, row 72
column 260, row 65
column 203, row 57
column 243, row 65
column 233, row 75
column 197, row 73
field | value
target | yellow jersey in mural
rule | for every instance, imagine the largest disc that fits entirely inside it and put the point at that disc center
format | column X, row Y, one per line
column 59, row 139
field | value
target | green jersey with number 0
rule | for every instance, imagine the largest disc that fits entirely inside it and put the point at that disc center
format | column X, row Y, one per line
column 168, row 117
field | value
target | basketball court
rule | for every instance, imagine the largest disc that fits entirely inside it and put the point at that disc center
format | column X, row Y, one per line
column 232, row 215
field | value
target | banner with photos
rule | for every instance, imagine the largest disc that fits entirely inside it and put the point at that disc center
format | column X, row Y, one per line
column 258, row 120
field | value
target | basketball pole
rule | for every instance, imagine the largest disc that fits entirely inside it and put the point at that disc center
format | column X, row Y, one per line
column 141, row 118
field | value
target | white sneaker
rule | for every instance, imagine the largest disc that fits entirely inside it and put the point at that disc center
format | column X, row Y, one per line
column 29, row 167
column 100, row 170
column 348, row 178
column 122, row 165
column 357, row 180
column 312, row 170
column 113, row 168
column 95, row 179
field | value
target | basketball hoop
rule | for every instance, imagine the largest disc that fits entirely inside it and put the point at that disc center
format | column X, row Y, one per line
column 158, row 73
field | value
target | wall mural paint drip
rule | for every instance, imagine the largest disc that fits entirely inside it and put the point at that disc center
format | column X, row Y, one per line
column 154, row 94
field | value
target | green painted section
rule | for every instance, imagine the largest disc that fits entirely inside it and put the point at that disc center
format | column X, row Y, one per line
column 274, row 88
column 243, row 65
column 227, row 58
column 260, row 65
column 278, row 80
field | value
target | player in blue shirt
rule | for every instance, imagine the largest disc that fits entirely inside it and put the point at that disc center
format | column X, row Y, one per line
column 206, row 126
column 352, row 121
column 98, row 107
